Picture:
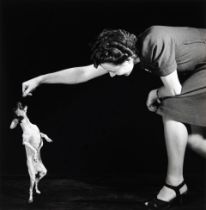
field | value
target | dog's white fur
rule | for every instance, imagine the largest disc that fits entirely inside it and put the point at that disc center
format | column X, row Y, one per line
column 33, row 142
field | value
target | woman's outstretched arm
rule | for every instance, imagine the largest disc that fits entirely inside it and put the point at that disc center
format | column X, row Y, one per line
column 73, row 75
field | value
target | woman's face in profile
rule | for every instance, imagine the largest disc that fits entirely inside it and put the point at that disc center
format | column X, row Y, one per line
column 121, row 69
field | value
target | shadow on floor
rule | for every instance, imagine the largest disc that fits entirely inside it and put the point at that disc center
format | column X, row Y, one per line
column 69, row 194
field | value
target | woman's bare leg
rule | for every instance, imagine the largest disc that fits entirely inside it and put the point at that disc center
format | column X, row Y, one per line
column 197, row 140
column 176, row 137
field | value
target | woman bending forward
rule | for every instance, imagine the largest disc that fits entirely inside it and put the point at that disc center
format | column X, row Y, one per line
column 167, row 52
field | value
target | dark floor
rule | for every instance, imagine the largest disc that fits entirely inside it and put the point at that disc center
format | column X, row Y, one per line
column 74, row 194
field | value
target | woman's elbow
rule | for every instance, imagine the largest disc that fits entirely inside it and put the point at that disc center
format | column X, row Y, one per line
column 177, row 90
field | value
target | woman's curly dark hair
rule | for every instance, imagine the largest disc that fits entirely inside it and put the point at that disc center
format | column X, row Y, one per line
column 113, row 46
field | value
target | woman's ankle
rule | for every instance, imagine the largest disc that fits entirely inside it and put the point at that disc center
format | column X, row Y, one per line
column 174, row 180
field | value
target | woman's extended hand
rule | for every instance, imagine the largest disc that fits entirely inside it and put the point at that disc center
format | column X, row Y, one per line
column 152, row 101
column 29, row 86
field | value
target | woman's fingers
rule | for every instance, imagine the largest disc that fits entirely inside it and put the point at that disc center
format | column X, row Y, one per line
column 26, row 89
column 152, row 108
column 149, row 103
column 152, row 103
column 29, row 86
column 23, row 87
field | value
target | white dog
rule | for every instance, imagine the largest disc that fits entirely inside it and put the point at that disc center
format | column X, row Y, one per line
column 33, row 142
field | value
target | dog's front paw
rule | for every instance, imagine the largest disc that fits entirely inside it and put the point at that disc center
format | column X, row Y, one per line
column 49, row 140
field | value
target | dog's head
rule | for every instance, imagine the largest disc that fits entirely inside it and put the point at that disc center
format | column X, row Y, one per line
column 20, row 112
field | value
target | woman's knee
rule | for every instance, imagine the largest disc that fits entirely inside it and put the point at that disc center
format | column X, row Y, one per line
column 194, row 141
column 172, row 123
column 198, row 131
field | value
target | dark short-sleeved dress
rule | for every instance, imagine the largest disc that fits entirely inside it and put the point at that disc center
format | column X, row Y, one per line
column 164, row 49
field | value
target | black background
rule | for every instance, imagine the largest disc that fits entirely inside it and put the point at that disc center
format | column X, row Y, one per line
column 99, row 128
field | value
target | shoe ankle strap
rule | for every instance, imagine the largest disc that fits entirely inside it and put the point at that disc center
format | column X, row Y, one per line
column 176, row 188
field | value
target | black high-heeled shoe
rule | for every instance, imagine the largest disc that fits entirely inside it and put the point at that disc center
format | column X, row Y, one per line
column 157, row 204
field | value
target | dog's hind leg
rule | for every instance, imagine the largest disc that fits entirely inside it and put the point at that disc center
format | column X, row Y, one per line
column 32, row 174
column 42, row 173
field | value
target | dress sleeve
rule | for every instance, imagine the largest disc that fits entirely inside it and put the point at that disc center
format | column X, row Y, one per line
column 158, row 52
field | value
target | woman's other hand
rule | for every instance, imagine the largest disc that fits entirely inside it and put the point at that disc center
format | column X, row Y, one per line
column 152, row 100
column 29, row 86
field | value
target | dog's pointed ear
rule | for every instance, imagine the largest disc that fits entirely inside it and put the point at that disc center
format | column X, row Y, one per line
column 14, row 123
column 25, row 109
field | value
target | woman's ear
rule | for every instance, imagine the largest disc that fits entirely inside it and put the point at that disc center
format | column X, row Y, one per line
column 136, row 60
column 14, row 123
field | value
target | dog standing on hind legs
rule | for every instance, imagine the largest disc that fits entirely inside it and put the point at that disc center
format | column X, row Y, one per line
column 33, row 142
